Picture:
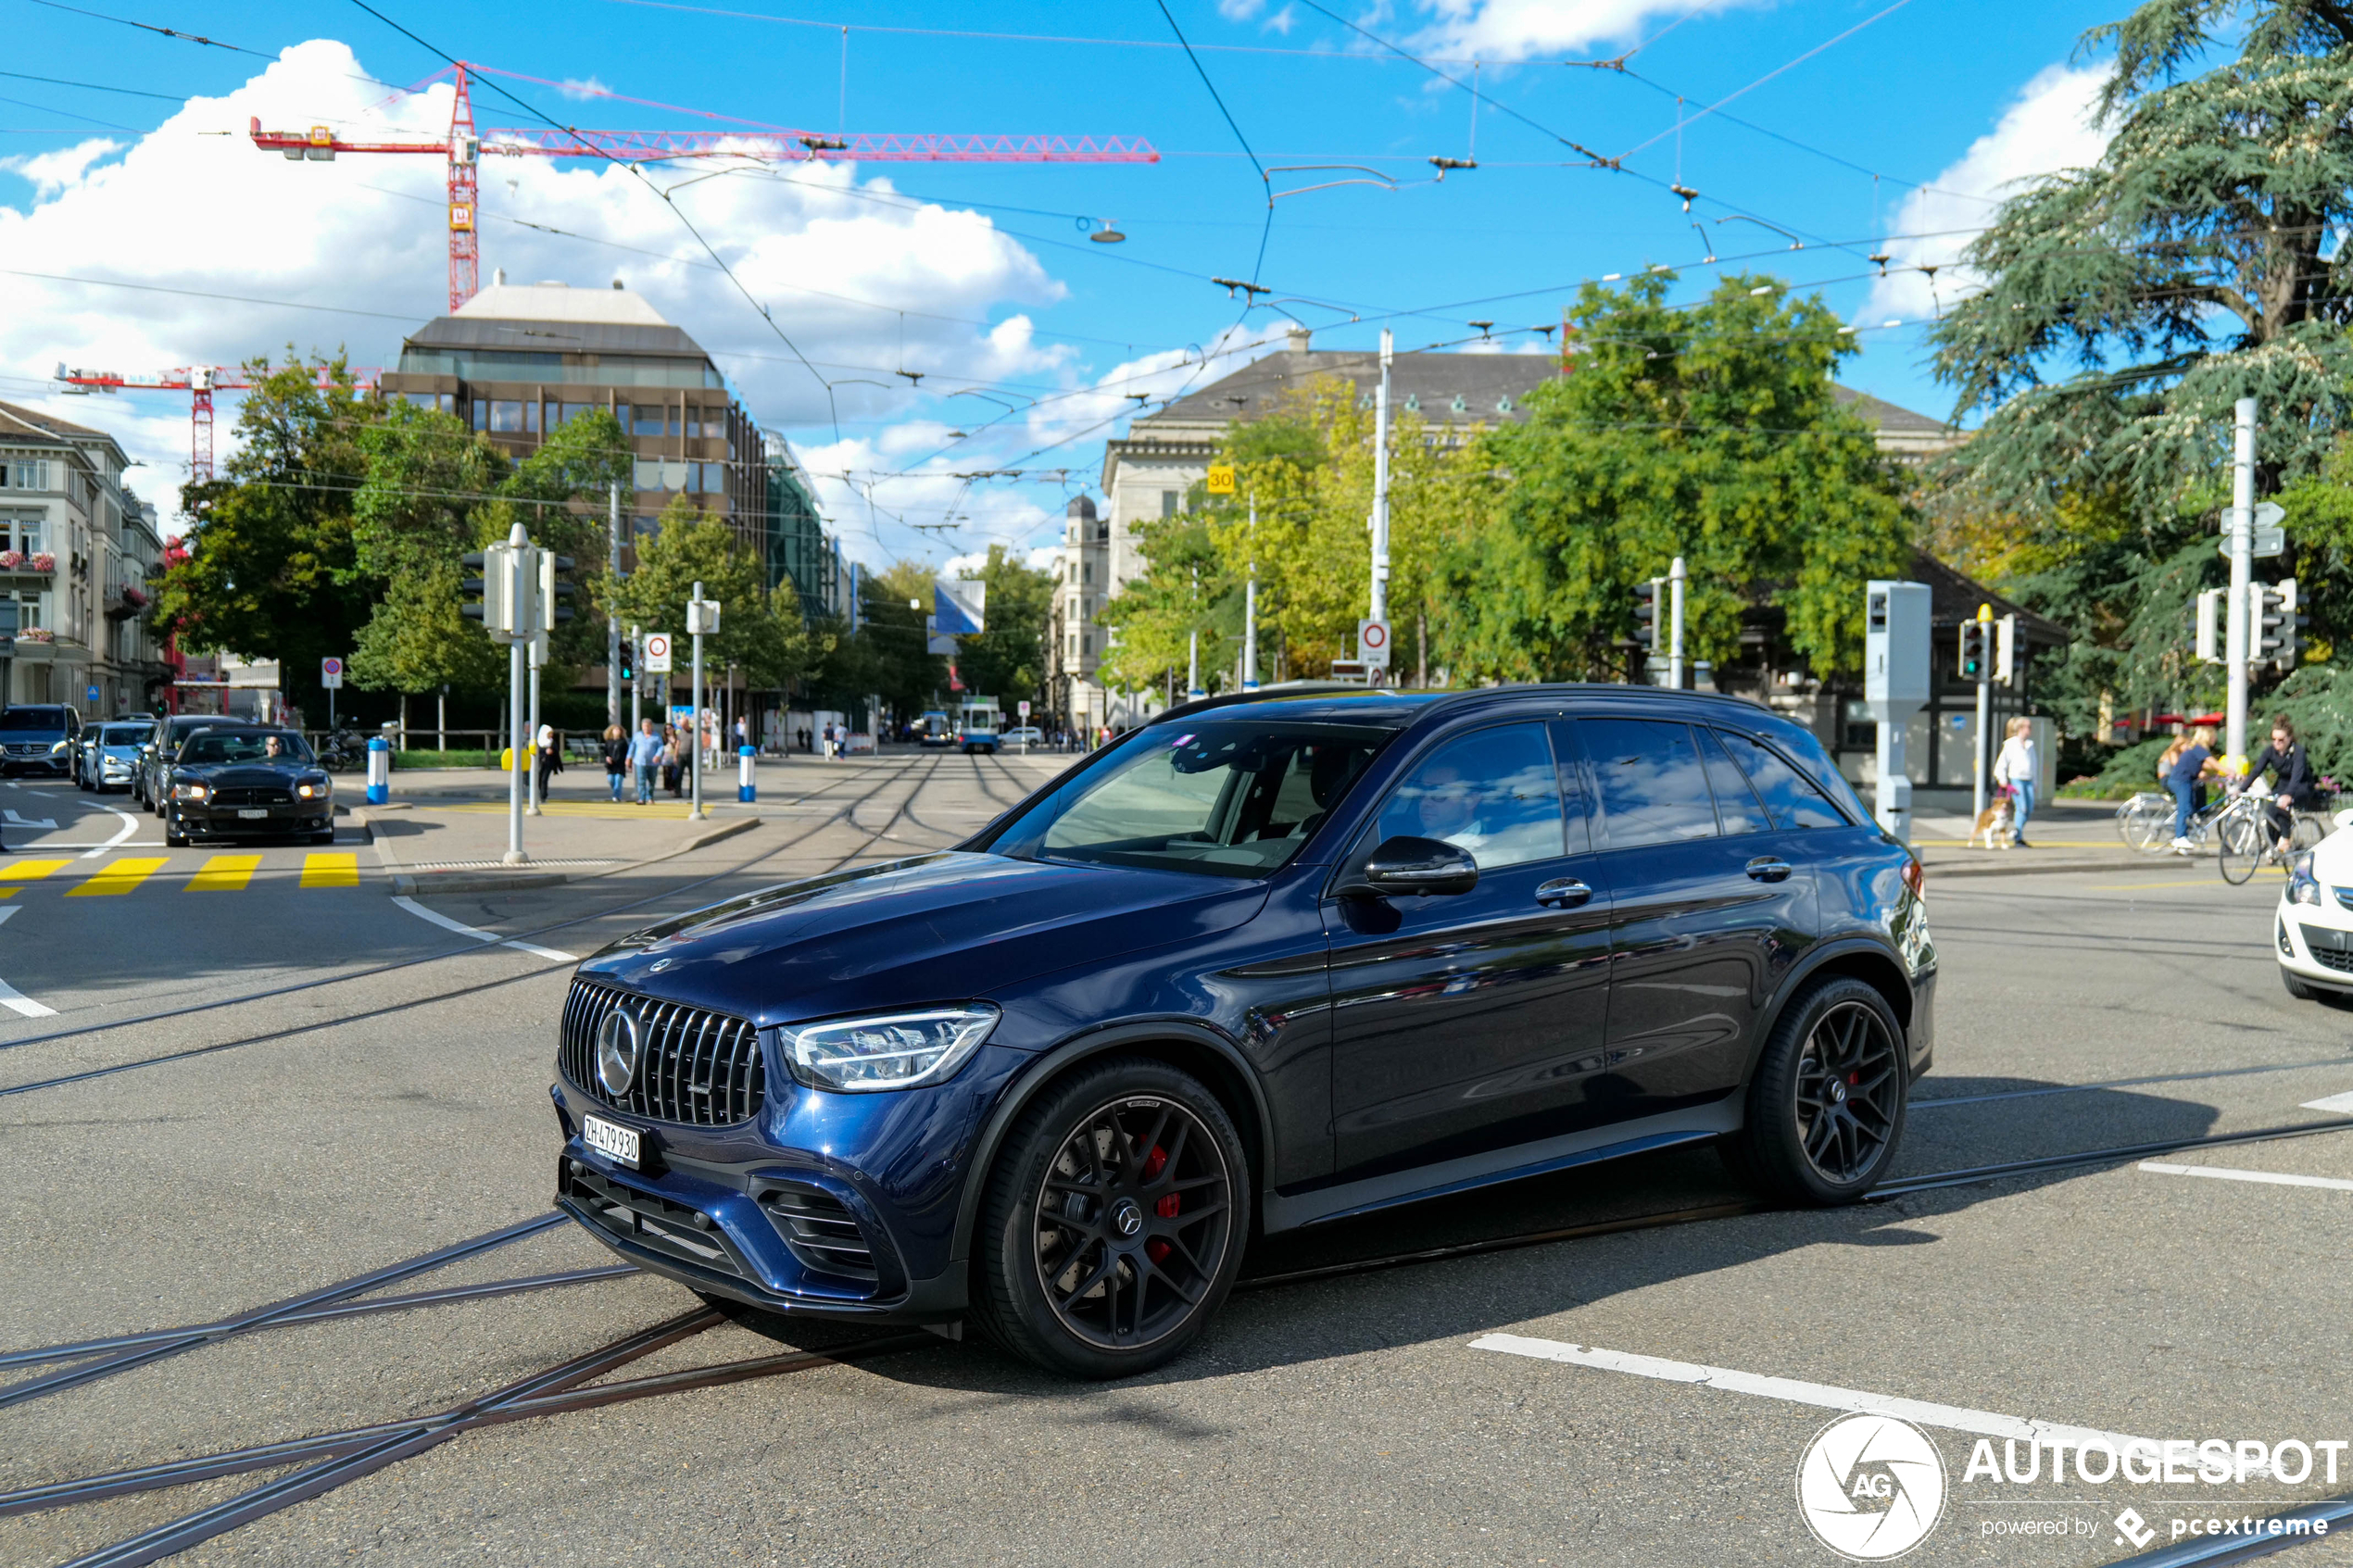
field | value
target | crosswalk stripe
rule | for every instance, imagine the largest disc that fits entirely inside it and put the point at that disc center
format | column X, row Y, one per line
column 120, row 877
column 224, row 873
column 26, row 871
column 331, row 870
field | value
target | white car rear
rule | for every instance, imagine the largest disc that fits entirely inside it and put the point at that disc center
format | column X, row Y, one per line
column 2313, row 930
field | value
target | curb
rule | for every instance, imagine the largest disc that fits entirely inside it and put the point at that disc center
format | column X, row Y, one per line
column 428, row 883
column 2012, row 867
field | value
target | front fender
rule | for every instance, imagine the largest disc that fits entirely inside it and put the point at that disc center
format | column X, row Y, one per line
column 1866, row 958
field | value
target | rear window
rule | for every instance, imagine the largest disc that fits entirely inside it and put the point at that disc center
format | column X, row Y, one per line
column 33, row 718
column 1793, row 799
column 1647, row 773
column 123, row 734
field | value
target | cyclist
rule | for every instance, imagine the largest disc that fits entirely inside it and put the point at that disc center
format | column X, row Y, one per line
column 2189, row 767
column 2293, row 783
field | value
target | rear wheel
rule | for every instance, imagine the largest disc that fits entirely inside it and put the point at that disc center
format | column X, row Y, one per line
column 2146, row 825
column 1114, row 1222
column 2240, row 838
column 1825, row 1109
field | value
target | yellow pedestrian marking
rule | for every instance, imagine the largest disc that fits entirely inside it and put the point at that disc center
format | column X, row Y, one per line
column 224, row 873
column 331, row 870
column 120, row 877
column 26, row 870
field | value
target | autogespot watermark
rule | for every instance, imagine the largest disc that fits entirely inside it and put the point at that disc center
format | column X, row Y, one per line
column 1873, row 1487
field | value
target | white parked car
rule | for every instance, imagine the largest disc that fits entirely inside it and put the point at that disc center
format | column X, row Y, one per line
column 2313, row 931
column 1024, row 735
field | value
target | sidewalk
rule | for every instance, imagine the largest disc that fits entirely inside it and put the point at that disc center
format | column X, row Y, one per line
column 2067, row 835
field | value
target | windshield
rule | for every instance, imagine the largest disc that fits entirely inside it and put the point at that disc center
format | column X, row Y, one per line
column 1224, row 797
column 261, row 745
column 34, row 718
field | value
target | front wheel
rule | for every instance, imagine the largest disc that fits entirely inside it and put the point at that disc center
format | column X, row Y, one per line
column 1114, row 1222
column 1825, row 1109
column 2242, row 836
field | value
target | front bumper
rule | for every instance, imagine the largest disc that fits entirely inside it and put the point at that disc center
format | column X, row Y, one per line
column 2315, row 943
column 200, row 821
column 832, row 1206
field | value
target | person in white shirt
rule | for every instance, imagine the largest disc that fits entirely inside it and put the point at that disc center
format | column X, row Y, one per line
column 2016, row 769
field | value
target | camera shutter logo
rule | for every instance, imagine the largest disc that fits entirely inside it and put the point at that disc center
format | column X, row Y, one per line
column 1871, row 1487
column 617, row 1052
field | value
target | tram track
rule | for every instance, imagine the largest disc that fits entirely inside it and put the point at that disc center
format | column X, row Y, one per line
column 847, row 813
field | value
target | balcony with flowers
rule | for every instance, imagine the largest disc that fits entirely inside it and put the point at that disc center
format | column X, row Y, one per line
column 39, row 563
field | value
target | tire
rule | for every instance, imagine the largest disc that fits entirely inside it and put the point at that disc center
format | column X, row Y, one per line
column 1786, row 1150
column 2147, row 828
column 2240, row 837
column 326, row 838
column 2298, row 988
column 1062, row 1279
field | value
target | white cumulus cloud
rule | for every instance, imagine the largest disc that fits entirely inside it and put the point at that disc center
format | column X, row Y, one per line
column 2047, row 128
column 1510, row 30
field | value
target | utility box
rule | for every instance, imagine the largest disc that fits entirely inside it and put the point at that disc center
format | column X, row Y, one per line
column 1897, row 672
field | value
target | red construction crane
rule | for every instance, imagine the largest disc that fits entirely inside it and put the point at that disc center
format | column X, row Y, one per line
column 465, row 149
column 200, row 381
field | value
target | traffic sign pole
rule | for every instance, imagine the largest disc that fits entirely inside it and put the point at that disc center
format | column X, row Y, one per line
column 2238, row 648
column 1675, row 579
column 1984, row 713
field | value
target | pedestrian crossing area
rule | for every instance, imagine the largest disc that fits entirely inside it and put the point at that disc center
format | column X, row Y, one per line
column 135, row 873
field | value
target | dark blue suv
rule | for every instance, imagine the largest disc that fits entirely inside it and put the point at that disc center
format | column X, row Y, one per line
column 1266, row 962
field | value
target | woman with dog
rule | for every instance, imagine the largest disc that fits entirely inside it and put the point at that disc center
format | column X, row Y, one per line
column 2014, row 773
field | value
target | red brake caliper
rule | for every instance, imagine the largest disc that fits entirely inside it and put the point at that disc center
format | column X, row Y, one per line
column 1167, row 1207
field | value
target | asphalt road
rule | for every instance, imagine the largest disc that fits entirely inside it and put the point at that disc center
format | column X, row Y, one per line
column 1357, row 1419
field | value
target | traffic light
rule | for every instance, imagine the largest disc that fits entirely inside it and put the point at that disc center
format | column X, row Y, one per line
column 2210, row 625
column 628, row 659
column 2275, row 622
column 470, row 588
column 556, row 589
column 2006, row 651
column 1647, row 597
column 1975, row 664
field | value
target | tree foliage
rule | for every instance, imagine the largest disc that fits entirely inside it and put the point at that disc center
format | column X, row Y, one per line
column 1710, row 432
column 1008, row 660
column 887, row 655
column 760, row 632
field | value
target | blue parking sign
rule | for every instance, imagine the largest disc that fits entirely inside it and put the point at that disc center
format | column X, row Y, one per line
column 90, row 695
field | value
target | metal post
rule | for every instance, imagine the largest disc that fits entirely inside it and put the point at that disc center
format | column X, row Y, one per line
column 1981, row 767
column 1192, row 648
column 521, row 596
column 2241, row 546
column 694, row 724
column 534, row 663
column 1379, row 598
column 612, row 627
column 637, row 680
column 441, row 719
column 516, row 680
column 1675, row 578
column 1249, row 631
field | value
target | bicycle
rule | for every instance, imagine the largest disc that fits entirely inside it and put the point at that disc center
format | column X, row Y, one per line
column 2145, row 822
column 2242, row 830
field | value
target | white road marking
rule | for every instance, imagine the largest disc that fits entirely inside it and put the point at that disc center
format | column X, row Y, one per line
column 46, row 823
column 130, row 826
column 2271, row 1178
column 9, row 996
column 478, row 933
column 2341, row 1104
column 1954, row 1418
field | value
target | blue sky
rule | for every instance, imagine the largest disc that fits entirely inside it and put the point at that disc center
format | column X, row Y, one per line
column 981, row 276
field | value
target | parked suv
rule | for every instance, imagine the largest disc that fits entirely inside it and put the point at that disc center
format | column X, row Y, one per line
column 45, row 735
column 1266, row 961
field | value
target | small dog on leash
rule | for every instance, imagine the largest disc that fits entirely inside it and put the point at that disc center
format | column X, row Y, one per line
column 1996, row 825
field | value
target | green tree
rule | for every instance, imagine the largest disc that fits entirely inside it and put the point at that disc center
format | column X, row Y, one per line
column 273, row 567
column 1708, row 432
column 760, row 632
column 887, row 655
column 1184, row 590
column 416, row 512
column 1008, row 660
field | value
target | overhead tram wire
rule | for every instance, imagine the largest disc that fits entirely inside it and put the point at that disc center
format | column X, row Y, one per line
column 590, row 149
column 1268, row 229
column 1682, row 123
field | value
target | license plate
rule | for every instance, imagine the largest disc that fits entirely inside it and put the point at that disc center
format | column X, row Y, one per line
column 256, row 815
column 616, row 1143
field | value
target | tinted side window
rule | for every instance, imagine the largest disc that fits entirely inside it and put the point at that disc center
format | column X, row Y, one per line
column 1788, row 794
column 1736, row 806
column 1649, row 778
column 1578, row 807
column 1496, row 793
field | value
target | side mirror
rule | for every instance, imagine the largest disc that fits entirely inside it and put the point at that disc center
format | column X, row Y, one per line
column 1407, row 866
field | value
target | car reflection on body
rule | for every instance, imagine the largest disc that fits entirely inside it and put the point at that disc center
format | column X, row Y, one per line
column 248, row 782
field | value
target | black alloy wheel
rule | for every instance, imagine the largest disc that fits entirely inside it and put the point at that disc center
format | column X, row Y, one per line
column 1115, row 1222
column 1827, row 1106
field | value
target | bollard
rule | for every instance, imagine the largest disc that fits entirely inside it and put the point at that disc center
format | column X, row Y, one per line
column 745, row 789
column 379, row 770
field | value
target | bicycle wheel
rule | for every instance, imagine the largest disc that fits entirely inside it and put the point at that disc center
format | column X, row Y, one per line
column 2240, row 836
column 2309, row 831
column 2148, row 827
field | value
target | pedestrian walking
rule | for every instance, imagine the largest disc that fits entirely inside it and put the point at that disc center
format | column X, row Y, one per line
column 616, row 755
column 671, row 755
column 550, row 760
column 2015, row 772
column 645, row 756
column 2184, row 775
column 829, row 740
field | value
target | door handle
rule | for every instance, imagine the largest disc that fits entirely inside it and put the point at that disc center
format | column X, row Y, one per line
column 1765, row 868
column 1566, row 893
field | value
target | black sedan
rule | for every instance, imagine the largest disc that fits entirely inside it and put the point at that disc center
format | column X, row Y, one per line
column 248, row 782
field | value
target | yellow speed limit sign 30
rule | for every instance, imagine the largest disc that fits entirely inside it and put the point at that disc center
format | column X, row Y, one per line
column 1221, row 479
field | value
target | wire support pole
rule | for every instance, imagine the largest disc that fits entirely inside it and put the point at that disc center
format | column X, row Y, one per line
column 1676, row 577
column 2242, row 569
column 1379, row 597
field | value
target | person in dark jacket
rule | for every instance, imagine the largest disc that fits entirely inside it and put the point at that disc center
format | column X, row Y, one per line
column 2293, row 785
column 616, row 754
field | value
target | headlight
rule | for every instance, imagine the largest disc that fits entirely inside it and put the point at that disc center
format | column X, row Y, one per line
column 311, row 791
column 189, row 792
column 59, row 746
column 2302, row 886
column 899, row 1050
